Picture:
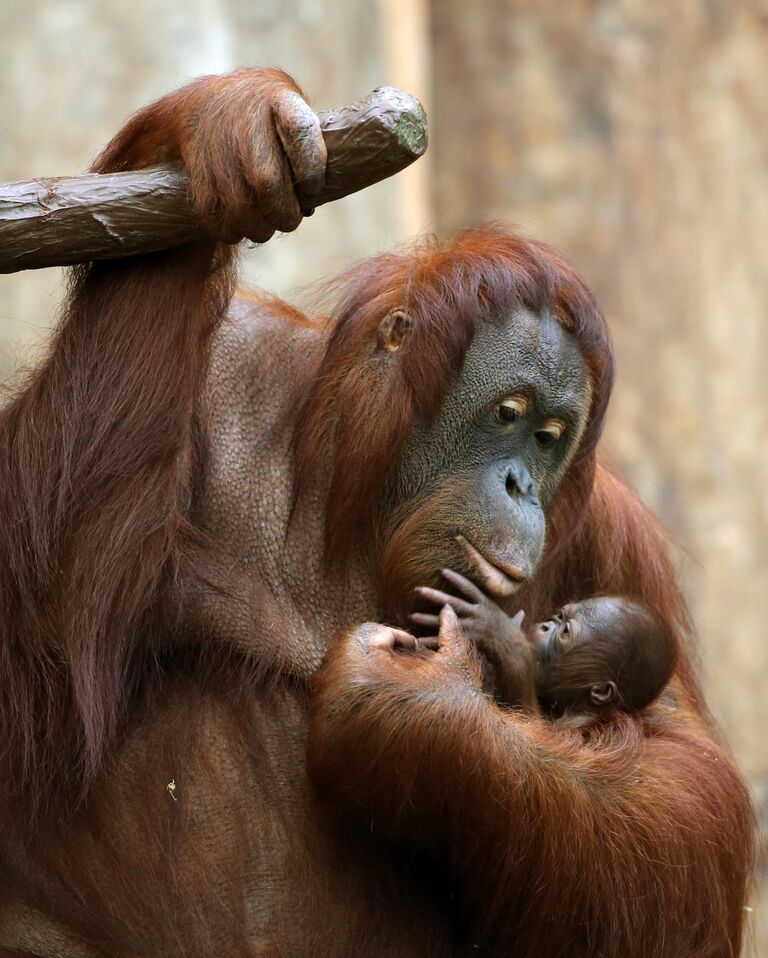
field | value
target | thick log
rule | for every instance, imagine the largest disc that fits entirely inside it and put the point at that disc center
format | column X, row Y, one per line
column 67, row 220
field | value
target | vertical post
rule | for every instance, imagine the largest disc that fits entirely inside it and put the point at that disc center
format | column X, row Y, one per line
column 407, row 51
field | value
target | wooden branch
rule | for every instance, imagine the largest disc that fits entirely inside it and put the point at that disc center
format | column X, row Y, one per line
column 58, row 222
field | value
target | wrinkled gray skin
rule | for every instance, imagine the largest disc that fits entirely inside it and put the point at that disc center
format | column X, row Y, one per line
column 501, row 480
column 521, row 353
column 310, row 885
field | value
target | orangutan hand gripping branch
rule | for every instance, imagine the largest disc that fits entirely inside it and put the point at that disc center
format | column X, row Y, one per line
column 202, row 497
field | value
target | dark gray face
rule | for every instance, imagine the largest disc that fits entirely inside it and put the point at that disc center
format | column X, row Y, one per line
column 486, row 471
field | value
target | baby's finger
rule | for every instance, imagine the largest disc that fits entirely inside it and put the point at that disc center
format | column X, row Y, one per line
column 425, row 619
column 442, row 598
column 468, row 589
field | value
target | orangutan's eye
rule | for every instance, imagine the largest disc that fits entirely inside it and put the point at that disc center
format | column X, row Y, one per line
column 511, row 408
column 550, row 432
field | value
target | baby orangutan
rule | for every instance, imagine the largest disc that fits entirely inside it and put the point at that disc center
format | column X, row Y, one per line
column 602, row 654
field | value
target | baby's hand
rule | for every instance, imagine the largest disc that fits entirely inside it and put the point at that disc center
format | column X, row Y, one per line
column 484, row 623
column 498, row 636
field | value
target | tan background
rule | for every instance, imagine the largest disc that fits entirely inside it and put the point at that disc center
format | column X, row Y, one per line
column 631, row 133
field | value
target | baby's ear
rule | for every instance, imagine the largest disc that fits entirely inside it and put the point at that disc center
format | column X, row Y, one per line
column 603, row 694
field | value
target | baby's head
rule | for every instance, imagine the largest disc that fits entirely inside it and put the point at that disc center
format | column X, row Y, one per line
column 602, row 654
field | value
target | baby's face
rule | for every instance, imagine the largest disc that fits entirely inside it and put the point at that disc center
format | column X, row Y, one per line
column 574, row 648
column 575, row 625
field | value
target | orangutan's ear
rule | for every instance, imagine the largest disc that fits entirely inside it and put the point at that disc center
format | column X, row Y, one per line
column 604, row 694
column 393, row 330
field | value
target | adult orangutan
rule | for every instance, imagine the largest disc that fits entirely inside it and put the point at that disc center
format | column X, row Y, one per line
column 198, row 499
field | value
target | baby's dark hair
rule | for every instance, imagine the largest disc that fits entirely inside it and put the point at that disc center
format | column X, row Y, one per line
column 631, row 647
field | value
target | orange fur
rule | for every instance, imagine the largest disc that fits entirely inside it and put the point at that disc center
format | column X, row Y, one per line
column 630, row 839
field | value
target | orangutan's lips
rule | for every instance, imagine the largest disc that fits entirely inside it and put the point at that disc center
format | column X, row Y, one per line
column 499, row 578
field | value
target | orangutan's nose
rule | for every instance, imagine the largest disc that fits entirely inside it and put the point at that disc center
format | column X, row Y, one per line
column 519, row 482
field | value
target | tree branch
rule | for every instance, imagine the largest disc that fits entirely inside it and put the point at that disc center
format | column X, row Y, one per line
column 66, row 220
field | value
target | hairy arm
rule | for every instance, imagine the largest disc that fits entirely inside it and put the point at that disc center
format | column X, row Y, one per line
column 98, row 450
column 633, row 842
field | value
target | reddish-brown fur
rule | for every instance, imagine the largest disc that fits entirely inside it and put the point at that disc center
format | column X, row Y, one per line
column 97, row 457
column 100, row 455
column 560, row 843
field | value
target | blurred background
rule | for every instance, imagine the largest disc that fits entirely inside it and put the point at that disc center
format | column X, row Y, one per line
column 631, row 134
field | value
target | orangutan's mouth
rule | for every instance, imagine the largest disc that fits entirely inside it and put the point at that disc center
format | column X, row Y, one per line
column 499, row 578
